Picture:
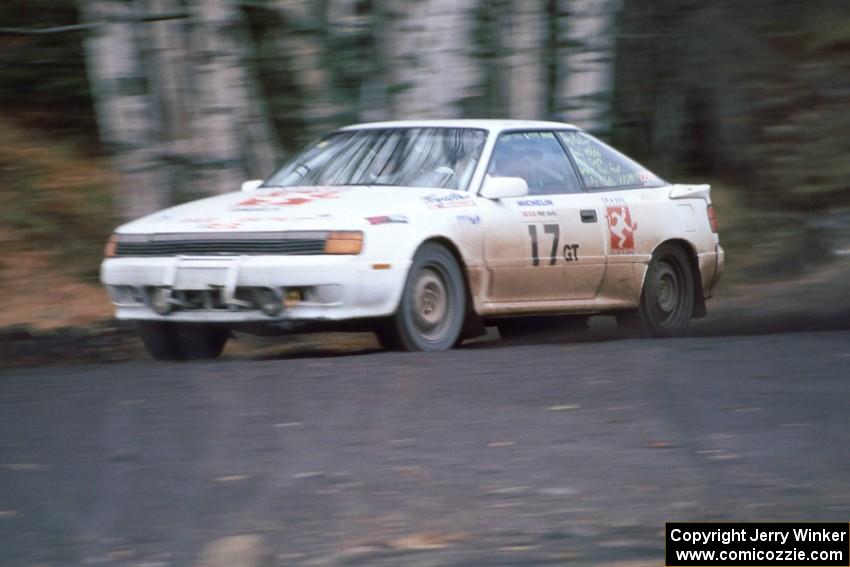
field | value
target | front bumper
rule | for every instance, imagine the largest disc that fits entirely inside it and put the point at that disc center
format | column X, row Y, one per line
column 332, row 288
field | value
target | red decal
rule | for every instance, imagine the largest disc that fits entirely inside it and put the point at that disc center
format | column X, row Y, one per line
column 252, row 202
column 288, row 198
column 291, row 201
column 216, row 225
column 621, row 227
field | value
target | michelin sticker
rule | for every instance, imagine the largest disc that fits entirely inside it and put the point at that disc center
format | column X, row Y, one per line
column 535, row 209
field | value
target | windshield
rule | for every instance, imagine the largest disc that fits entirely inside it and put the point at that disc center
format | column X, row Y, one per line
column 442, row 158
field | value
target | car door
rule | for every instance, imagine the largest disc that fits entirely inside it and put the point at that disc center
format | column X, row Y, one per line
column 550, row 244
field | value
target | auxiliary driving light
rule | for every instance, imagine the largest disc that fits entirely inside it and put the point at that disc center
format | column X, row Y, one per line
column 161, row 301
column 269, row 302
column 293, row 297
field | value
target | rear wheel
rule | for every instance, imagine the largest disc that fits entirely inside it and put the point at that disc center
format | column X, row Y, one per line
column 431, row 313
column 182, row 341
column 667, row 299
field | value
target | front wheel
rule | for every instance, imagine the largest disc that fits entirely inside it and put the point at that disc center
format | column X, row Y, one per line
column 182, row 341
column 667, row 299
column 431, row 313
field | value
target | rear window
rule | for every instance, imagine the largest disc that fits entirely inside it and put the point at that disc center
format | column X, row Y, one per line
column 603, row 167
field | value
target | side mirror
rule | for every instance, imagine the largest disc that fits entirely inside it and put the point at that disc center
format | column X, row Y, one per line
column 252, row 185
column 504, row 187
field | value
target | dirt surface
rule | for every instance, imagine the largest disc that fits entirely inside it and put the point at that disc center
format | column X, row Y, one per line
column 494, row 454
column 39, row 295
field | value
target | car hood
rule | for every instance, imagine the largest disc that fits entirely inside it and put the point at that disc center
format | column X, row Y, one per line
column 295, row 208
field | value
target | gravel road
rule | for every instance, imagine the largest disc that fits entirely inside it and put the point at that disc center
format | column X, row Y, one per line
column 493, row 454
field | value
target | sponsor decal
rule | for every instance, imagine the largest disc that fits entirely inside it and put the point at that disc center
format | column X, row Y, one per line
column 535, row 203
column 647, row 178
column 221, row 225
column 229, row 224
column 451, row 201
column 621, row 227
column 213, row 223
column 540, row 213
column 532, row 211
column 387, row 219
column 289, row 198
column 468, row 219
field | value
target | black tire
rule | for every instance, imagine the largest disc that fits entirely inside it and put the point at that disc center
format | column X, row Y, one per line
column 432, row 309
column 387, row 335
column 182, row 341
column 667, row 299
column 201, row 342
column 159, row 339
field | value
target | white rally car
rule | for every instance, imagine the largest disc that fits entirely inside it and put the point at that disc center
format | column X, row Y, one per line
column 421, row 232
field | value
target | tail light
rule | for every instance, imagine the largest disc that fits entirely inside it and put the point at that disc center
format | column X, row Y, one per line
column 712, row 218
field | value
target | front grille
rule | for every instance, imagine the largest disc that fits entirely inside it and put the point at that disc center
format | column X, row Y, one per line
column 236, row 244
column 212, row 300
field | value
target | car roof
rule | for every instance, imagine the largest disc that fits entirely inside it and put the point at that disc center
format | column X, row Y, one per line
column 491, row 125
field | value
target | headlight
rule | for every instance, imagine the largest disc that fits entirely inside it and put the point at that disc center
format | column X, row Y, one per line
column 111, row 246
column 344, row 242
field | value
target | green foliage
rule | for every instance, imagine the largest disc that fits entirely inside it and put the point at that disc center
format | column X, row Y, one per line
column 43, row 79
column 752, row 92
column 835, row 36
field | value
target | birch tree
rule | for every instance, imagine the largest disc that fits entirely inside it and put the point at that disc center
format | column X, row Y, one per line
column 524, row 44
column 127, row 120
column 587, row 76
column 233, row 134
column 304, row 43
column 431, row 67
column 178, row 106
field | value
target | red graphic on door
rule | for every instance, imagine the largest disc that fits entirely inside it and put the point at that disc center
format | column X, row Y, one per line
column 621, row 227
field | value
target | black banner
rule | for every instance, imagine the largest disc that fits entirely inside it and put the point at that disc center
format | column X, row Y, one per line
column 801, row 544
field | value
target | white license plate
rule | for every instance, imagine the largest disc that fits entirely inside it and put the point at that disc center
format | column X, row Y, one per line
column 200, row 277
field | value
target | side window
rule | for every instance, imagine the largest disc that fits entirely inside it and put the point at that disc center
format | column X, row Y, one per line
column 601, row 166
column 538, row 158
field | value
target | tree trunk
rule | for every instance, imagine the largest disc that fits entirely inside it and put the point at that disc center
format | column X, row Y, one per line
column 305, row 53
column 178, row 108
column 525, row 62
column 233, row 136
column 588, row 75
column 431, row 69
column 127, row 120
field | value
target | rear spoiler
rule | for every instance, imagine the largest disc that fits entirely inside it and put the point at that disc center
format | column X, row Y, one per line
column 691, row 192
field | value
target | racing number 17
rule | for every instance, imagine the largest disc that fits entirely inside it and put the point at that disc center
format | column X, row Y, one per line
column 554, row 229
